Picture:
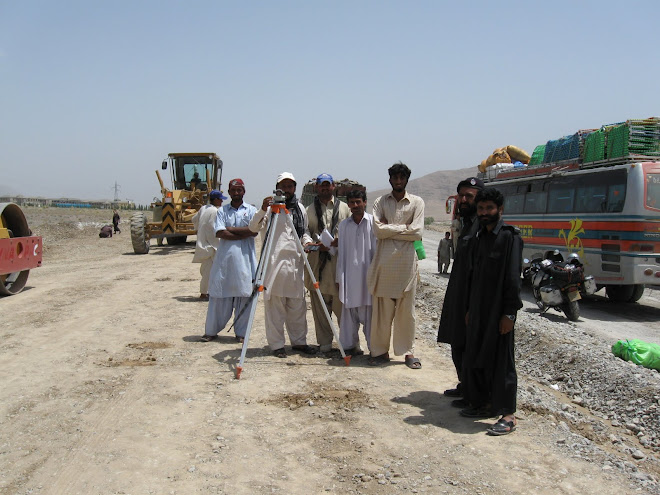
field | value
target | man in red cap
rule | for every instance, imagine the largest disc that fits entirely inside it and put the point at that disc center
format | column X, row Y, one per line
column 234, row 265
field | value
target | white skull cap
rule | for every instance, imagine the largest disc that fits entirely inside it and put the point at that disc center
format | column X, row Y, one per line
column 286, row 175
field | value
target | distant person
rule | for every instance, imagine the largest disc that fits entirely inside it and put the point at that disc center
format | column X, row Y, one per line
column 357, row 246
column 234, row 266
column 392, row 277
column 452, row 320
column 284, row 297
column 115, row 221
column 325, row 213
column 489, row 367
column 445, row 253
column 106, row 231
column 207, row 242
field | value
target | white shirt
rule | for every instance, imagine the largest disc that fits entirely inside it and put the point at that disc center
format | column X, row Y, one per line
column 284, row 275
column 207, row 242
column 357, row 246
column 235, row 263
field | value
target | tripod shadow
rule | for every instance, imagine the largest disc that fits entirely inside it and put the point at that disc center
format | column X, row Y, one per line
column 436, row 410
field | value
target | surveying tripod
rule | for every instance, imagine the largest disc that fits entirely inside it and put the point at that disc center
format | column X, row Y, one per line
column 279, row 213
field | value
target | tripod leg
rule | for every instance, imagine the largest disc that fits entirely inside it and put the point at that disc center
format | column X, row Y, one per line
column 301, row 250
column 259, row 287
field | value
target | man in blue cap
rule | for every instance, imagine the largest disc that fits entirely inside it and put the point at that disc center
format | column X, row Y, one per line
column 325, row 213
column 207, row 243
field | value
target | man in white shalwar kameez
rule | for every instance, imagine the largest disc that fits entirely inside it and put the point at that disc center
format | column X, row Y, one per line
column 284, row 295
column 357, row 245
column 207, row 242
column 234, row 266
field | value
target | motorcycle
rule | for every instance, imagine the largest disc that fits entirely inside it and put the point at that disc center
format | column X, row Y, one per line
column 559, row 284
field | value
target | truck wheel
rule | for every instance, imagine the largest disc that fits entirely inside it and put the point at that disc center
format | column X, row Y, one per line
column 139, row 233
column 572, row 310
column 638, row 292
column 620, row 293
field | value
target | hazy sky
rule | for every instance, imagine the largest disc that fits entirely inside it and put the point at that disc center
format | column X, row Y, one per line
column 94, row 92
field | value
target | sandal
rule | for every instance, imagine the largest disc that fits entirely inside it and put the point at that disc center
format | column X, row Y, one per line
column 412, row 362
column 207, row 338
column 502, row 427
column 280, row 353
column 378, row 360
column 306, row 349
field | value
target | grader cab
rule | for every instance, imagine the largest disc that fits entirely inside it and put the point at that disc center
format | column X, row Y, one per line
column 193, row 176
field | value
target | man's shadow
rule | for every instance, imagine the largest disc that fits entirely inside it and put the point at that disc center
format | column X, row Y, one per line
column 436, row 410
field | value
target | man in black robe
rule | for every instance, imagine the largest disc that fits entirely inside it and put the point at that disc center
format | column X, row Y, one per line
column 489, row 370
column 452, row 320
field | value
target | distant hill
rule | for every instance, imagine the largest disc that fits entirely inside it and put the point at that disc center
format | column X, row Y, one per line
column 434, row 189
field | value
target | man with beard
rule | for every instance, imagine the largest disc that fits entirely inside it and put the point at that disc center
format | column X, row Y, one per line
column 324, row 213
column 284, row 297
column 357, row 245
column 452, row 320
column 392, row 276
column 234, row 263
column 489, row 368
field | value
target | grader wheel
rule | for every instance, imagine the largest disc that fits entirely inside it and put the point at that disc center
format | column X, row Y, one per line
column 139, row 236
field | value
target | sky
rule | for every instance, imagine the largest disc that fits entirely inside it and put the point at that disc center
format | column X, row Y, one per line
column 94, row 94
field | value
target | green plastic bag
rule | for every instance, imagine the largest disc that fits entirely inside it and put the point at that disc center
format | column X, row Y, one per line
column 419, row 247
column 639, row 352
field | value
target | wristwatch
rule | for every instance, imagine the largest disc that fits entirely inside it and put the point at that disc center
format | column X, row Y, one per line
column 511, row 317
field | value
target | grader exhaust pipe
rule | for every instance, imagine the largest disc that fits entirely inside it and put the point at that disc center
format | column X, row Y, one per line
column 20, row 251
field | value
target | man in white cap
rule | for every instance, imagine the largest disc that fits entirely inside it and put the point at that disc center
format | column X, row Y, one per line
column 207, row 243
column 284, row 297
column 325, row 213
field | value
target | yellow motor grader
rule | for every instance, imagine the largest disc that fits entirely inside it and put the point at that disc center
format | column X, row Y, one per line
column 193, row 177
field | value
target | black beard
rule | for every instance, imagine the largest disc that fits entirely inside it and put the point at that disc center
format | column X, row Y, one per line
column 488, row 219
column 467, row 211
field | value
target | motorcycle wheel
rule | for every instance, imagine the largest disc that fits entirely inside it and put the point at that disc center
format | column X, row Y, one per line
column 572, row 310
column 537, row 297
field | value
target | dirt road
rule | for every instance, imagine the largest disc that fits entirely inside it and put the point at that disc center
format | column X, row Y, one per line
column 105, row 390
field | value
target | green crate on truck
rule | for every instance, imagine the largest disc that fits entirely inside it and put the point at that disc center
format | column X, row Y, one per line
column 594, row 146
column 537, row 155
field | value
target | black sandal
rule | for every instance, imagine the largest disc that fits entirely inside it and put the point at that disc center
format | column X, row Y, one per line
column 502, row 427
column 207, row 338
column 280, row 353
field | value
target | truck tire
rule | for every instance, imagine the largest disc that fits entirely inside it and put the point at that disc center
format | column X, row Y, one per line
column 638, row 292
column 572, row 310
column 621, row 293
column 139, row 233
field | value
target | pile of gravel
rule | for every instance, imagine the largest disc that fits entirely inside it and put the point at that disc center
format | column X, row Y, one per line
column 599, row 407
